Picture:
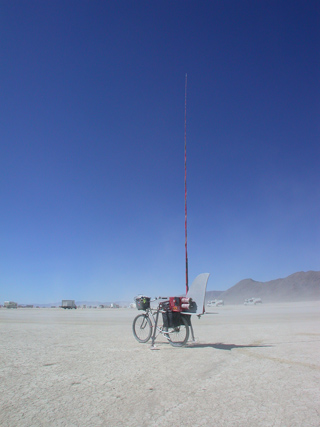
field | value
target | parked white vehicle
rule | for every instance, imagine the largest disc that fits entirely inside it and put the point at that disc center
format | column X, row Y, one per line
column 68, row 303
column 215, row 303
column 252, row 301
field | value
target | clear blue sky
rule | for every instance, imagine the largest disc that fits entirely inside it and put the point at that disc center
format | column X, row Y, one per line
column 92, row 145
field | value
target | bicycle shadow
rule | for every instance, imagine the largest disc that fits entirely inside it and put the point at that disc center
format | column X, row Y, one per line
column 222, row 346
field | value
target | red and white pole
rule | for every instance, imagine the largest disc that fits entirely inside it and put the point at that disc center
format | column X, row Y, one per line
column 185, row 182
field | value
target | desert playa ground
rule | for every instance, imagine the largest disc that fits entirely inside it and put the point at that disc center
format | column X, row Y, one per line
column 250, row 366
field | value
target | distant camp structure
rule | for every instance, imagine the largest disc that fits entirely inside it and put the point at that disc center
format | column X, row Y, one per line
column 68, row 303
column 10, row 304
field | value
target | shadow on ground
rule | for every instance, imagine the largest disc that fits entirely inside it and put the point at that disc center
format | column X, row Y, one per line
column 221, row 346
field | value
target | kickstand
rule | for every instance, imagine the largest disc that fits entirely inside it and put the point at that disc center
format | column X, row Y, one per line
column 153, row 347
column 192, row 334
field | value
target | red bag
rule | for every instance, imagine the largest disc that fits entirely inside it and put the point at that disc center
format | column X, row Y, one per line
column 175, row 304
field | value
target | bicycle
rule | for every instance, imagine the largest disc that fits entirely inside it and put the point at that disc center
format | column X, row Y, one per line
column 146, row 324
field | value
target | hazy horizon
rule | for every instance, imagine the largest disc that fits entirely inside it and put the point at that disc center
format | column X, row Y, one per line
column 268, row 282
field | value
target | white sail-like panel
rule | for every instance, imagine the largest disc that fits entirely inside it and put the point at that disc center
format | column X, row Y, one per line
column 197, row 291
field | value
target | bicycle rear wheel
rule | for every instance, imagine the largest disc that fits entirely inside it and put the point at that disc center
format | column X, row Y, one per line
column 178, row 336
column 142, row 328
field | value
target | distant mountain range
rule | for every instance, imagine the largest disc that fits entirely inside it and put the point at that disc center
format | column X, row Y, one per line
column 301, row 286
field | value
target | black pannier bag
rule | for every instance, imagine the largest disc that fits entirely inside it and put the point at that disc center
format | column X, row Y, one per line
column 166, row 314
column 171, row 319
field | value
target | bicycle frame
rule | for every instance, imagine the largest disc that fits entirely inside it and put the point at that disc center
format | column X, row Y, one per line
column 154, row 322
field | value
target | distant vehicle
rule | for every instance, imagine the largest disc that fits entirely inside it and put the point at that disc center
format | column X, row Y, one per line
column 252, row 301
column 68, row 303
column 215, row 303
column 10, row 304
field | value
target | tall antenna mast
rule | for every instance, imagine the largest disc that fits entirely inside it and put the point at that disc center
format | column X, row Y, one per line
column 185, row 181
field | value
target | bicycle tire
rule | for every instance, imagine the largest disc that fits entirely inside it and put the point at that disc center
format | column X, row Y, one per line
column 179, row 336
column 142, row 328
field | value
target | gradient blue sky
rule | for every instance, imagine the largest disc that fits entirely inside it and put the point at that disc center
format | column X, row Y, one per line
column 92, row 145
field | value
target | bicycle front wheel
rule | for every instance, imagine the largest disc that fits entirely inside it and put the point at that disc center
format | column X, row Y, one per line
column 178, row 336
column 142, row 328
